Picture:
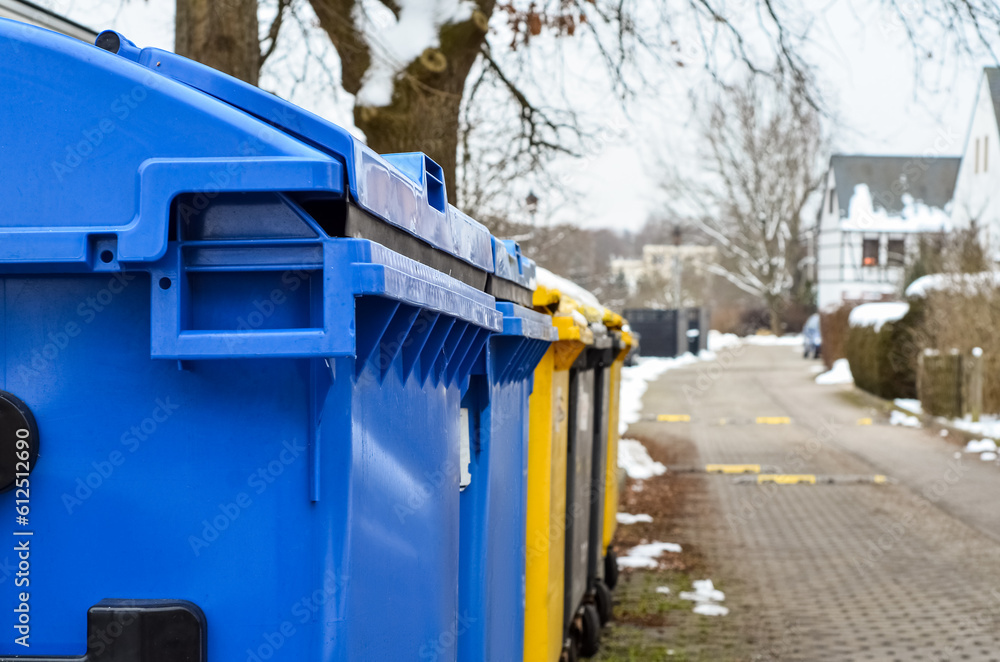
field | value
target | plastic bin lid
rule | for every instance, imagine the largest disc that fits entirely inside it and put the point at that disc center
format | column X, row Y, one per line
column 89, row 141
column 511, row 265
column 406, row 190
column 521, row 321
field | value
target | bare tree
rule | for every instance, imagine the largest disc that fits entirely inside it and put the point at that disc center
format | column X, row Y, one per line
column 411, row 64
column 764, row 146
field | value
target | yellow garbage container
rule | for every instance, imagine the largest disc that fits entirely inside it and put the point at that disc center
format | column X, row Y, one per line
column 546, row 498
column 611, row 487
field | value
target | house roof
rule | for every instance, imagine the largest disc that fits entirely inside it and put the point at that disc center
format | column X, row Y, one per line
column 930, row 180
column 993, row 79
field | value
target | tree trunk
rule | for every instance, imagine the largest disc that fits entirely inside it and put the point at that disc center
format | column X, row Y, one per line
column 427, row 98
column 220, row 34
column 775, row 307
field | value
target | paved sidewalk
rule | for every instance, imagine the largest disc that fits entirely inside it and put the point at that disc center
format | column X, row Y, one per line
column 904, row 571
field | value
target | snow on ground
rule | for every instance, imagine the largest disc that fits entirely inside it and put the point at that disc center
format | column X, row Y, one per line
column 634, row 459
column 909, row 404
column 897, row 417
column 769, row 340
column 706, row 598
column 988, row 425
column 840, row 373
column 628, row 518
column 877, row 314
column 644, row 556
column 989, row 456
column 980, row 446
column 663, row 590
column 718, row 340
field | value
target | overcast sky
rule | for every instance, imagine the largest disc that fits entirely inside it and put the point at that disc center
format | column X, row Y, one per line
column 866, row 68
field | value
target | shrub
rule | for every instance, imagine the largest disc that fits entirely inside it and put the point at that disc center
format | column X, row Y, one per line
column 962, row 319
column 884, row 362
column 833, row 330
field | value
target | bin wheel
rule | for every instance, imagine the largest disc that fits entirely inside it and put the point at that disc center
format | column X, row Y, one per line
column 571, row 653
column 590, row 637
column 602, row 599
column 611, row 569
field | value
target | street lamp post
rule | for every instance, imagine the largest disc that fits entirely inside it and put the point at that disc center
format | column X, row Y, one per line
column 532, row 202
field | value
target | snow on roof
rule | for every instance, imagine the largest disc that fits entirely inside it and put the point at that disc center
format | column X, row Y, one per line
column 915, row 216
column 877, row 314
column 965, row 283
column 929, row 179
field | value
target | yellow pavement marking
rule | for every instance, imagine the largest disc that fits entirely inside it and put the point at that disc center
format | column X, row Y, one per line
column 879, row 479
column 773, row 420
column 674, row 418
column 722, row 421
column 786, row 479
column 864, row 421
column 732, row 468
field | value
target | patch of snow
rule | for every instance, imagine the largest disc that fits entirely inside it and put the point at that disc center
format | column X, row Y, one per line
column 718, row 340
column 897, row 417
column 840, row 373
column 663, row 590
column 704, row 591
column 634, row 459
column 396, row 42
column 988, row 425
column 980, row 446
column 877, row 314
column 769, row 340
column 628, row 518
column 644, row 556
column 862, row 216
column 989, row 456
column 706, row 598
column 968, row 284
column 944, row 433
column 909, row 404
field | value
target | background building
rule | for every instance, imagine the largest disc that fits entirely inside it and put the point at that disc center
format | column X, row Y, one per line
column 874, row 210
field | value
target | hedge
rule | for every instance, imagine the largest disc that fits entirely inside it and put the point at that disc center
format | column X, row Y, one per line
column 885, row 362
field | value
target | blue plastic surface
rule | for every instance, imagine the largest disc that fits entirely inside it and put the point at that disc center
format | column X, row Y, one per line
column 234, row 409
column 493, row 506
column 511, row 265
column 406, row 190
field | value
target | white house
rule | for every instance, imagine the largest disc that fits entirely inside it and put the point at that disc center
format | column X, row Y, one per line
column 977, row 192
column 656, row 269
column 874, row 208
column 28, row 12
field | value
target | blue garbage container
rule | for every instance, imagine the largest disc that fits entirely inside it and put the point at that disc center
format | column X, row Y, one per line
column 230, row 420
column 493, row 503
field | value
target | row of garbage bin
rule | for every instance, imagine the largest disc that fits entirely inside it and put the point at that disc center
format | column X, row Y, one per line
column 266, row 396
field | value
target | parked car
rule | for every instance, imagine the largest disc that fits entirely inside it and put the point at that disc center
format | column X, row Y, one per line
column 812, row 341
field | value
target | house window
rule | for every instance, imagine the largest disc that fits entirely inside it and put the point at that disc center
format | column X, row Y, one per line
column 896, row 253
column 977, row 156
column 869, row 253
column 832, row 197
